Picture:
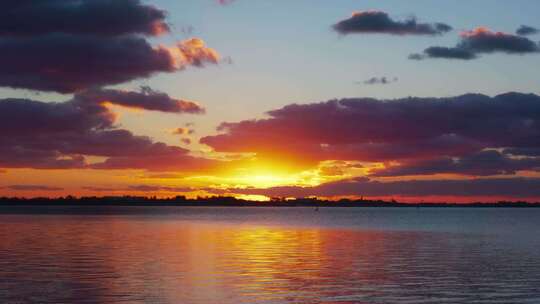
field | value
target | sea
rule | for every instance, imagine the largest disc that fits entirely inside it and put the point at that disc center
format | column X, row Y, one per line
column 221, row 255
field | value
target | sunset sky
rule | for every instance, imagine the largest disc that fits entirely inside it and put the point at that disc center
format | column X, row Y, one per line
column 413, row 100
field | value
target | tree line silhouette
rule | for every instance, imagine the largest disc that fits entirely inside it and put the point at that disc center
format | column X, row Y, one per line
column 228, row 201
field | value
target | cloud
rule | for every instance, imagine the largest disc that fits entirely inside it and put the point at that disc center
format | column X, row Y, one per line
column 87, row 17
column 151, row 188
column 371, row 130
column 481, row 41
column 158, row 157
column 84, row 44
column 378, row 22
column 520, row 188
column 46, row 135
column 100, row 189
column 163, row 176
column 144, row 189
column 140, row 188
column 69, row 63
column 484, row 163
column 331, row 171
column 380, row 80
column 525, row 30
column 193, row 52
column 33, row 188
column 523, row 151
column 147, row 99
column 445, row 52
column 183, row 131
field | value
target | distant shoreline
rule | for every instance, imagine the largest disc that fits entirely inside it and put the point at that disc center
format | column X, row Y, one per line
column 233, row 202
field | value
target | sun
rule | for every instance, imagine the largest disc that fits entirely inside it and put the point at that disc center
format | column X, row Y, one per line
column 264, row 179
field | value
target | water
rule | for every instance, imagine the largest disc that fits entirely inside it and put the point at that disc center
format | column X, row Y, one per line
column 269, row 255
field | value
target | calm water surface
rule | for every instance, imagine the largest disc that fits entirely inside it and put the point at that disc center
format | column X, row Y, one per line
column 269, row 255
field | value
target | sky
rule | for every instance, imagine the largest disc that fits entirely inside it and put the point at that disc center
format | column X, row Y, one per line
column 412, row 100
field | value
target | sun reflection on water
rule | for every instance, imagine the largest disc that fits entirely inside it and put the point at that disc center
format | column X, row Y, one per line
column 202, row 258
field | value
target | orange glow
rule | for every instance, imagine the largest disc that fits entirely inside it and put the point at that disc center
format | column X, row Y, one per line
column 367, row 12
column 159, row 28
column 191, row 52
column 481, row 31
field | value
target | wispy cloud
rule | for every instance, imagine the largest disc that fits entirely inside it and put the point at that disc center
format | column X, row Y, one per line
column 33, row 188
column 378, row 80
column 525, row 30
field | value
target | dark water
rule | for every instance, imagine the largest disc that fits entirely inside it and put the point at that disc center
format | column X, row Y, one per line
column 269, row 255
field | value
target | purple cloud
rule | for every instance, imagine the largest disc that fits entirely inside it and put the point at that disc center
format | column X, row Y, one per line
column 106, row 61
column 33, row 134
column 33, row 188
column 372, row 130
column 88, row 17
column 518, row 188
column 84, row 44
column 483, row 163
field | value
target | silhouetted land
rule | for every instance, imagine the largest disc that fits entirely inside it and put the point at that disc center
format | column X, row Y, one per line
column 234, row 202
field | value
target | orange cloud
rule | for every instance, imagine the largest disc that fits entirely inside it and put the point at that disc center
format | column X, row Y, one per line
column 183, row 131
column 481, row 30
column 191, row 52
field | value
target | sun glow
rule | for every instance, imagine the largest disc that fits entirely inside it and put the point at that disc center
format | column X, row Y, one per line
column 264, row 180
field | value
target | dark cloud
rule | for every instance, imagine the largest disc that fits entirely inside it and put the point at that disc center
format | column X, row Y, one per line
column 42, row 135
column 100, row 189
column 147, row 99
column 68, row 46
column 33, row 188
column 68, row 63
column 525, row 30
column 449, row 53
column 80, row 46
column 88, row 17
column 377, row 22
column 518, row 188
column 483, row 163
column 140, row 188
column 523, row 151
column 380, row 80
column 374, row 130
column 158, row 157
column 481, row 41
